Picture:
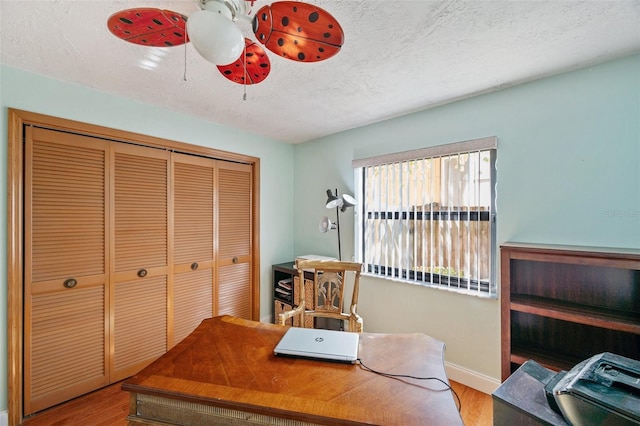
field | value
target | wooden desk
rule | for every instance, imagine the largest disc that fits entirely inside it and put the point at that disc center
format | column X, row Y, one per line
column 225, row 372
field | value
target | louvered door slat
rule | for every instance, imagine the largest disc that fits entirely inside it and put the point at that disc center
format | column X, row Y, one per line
column 140, row 227
column 193, row 210
column 234, row 240
column 192, row 301
column 234, row 290
column 234, row 211
column 140, row 324
column 140, row 202
column 65, row 223
column 66, row 207
column 77, row 319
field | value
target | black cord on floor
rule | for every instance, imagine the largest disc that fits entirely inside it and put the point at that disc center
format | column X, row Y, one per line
column 362, row 364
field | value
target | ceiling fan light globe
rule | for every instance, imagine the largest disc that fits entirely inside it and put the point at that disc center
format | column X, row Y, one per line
column 215, row 37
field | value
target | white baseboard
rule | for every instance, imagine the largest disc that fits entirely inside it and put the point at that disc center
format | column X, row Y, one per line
column 4, row 418
column 471, row 378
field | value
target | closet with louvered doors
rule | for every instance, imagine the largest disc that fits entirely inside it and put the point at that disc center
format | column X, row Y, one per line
column 125, row 247
column 66, row 270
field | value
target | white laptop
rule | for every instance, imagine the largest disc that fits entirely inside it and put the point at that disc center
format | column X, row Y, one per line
column 320, row 344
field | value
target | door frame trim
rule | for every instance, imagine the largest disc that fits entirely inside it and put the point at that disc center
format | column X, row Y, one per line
column 17, row 119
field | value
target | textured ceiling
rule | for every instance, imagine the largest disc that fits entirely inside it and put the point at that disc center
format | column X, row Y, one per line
column 398, row 57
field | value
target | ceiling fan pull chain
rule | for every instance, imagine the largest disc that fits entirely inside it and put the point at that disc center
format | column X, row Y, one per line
column 244, row 52
column 184, row 77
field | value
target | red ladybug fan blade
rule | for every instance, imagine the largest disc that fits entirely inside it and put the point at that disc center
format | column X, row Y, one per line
column 298, row 31
column 149, row 27
column 257, row 63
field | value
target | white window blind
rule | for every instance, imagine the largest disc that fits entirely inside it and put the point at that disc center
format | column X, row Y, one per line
column 428, row 216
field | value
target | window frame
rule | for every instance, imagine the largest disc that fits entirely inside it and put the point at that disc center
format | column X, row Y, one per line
column 471, row 286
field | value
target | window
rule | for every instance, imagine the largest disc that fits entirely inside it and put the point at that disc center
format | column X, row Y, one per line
column 428, row 216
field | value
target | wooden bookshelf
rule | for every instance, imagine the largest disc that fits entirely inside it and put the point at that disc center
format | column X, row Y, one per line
column 563, row 304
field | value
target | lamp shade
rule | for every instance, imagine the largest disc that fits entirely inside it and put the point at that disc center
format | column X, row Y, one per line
column 333, row 200
column 326, row 224
column 214, row 35
column 348, row 201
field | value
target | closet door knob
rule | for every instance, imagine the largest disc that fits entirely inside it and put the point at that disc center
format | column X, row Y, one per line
column 70, row 283
column 142, row 273
column 194, row 266
column 234, row 260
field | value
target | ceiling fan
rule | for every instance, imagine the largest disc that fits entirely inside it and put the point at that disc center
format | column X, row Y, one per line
column 293, row 30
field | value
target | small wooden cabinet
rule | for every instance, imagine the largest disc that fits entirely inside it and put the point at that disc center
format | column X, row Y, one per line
column 286, row 292
column 563, row 304
column 283, row 277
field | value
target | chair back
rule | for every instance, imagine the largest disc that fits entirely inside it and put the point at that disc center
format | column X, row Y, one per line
column 328, row 284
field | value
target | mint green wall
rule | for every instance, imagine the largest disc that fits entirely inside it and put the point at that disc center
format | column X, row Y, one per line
column 568, row 173
column 34, row 93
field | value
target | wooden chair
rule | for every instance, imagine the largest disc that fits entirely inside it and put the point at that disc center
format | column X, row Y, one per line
column 328, row 293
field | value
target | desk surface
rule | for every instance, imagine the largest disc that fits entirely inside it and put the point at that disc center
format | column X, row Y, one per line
column 229, row 363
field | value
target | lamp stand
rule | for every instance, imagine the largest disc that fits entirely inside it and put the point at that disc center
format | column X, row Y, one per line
column 338, row 228
column 341, row 204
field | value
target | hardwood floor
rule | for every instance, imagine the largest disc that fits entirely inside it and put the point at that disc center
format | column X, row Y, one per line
column 109, row 407
column 105, row 407
column 476, row 407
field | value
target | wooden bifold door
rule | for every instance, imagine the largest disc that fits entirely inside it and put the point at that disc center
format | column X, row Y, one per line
column 66, row 305
column 127, row 248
